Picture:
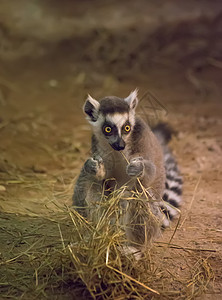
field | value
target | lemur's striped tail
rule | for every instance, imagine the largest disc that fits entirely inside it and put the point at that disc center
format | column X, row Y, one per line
column 173, row 186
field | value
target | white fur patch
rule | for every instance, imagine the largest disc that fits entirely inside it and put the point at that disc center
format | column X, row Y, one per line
column 132, row 99
column 174, row 184
column 172, row 173
column 97, row 125
column 167, row 156
column 118, row 119
column 166, row 222
column 132, row 118
column 173, row 196
column 173, row 212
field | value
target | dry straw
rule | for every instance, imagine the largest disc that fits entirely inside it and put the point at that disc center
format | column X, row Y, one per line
column 73, row 257
column 65, row 255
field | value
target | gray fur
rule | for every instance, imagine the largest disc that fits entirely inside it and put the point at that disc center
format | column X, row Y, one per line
column 142, row 157
column 106, row 108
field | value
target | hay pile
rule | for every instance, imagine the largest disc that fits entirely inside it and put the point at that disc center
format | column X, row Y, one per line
column 67, row 256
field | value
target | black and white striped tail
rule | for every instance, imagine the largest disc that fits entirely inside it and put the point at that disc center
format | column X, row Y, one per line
column 172, row 196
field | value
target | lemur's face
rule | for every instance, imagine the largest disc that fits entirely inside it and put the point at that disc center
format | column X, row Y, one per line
column 116, row 128
column 112, row 118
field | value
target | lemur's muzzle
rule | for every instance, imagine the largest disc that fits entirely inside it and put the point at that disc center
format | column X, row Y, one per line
column 118, row 145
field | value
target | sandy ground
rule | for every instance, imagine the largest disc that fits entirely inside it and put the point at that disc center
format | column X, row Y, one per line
column 44, row 140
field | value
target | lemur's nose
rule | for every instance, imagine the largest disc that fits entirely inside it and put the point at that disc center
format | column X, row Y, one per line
column 118, row 145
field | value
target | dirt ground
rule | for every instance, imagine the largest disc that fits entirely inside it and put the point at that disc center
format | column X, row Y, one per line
column 45, row 139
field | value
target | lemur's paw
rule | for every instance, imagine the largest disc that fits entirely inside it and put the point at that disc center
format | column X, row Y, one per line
column 95, row 166
column 136, row 167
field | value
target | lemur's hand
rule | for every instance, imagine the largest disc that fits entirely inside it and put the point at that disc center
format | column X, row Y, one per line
column 95, row 166
column 136, row 167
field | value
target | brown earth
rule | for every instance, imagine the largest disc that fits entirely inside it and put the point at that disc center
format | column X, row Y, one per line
column 45, row 139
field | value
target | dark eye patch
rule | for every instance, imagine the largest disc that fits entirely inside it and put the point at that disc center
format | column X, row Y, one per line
column 123, row 128
column 112, row 126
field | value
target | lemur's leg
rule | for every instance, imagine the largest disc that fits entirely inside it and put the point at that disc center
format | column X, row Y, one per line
column 142, row 217
column 145, row 170
column 88, row 184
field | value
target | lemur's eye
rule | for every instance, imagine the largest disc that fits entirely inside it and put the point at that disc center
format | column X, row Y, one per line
column 108, row 129
column 127, row 128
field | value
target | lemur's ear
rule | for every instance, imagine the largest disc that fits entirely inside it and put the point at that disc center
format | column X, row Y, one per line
column 91, row 109
column 132, row 99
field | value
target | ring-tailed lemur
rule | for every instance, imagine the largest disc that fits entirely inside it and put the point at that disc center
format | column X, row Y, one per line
column 124, row 148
